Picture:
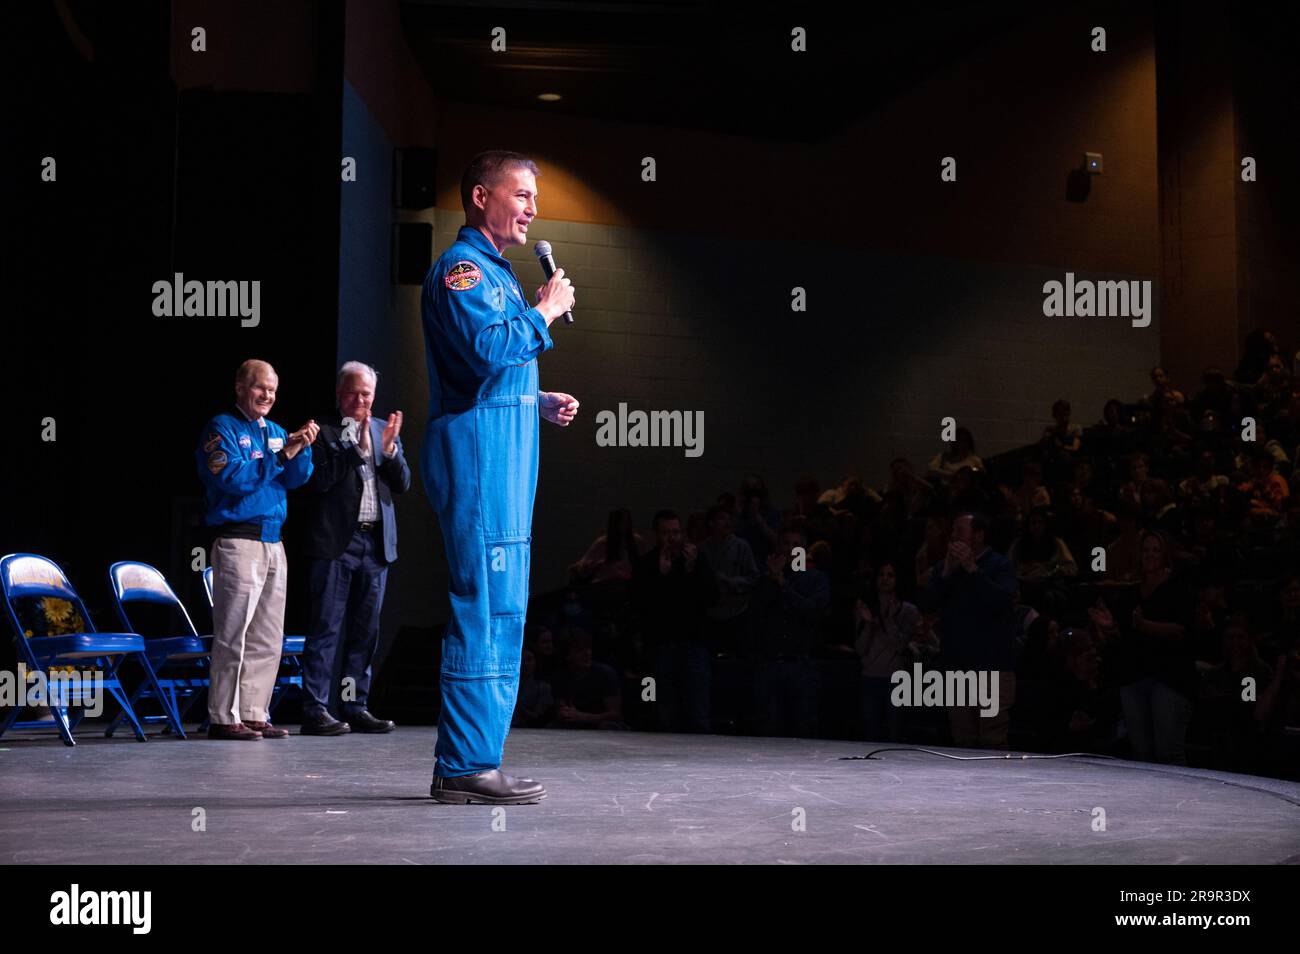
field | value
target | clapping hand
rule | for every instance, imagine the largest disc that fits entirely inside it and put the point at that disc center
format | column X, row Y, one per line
column 363, row 442
column 863, row 611
column 303, row 437
column 690, row 551
column 959, row 554
column 391, row 430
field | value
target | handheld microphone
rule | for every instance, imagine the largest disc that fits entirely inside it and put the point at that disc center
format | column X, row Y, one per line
column 542, row 249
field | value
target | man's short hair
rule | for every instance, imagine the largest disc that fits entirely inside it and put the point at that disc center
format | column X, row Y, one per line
column 715, row 510
column 795, row 529
column 356, row 367
column 1128, row 512
column 487, row 168
column 664, row 516
column 248, row 370
column 1237, row 621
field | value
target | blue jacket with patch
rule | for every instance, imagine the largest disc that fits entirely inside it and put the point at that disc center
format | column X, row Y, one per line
column 482, row 335
column 480, row 472
column 246, row 474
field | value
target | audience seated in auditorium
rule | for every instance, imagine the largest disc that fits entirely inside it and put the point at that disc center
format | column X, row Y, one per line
column 612, row 554
column 588, row 694
column 1139, row 655
column 959, row 454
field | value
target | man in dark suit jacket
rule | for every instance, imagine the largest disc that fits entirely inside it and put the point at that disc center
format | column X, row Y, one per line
column 353, row 538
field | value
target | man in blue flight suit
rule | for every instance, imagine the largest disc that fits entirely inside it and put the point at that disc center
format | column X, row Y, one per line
column 247, row 463
column 480, row 467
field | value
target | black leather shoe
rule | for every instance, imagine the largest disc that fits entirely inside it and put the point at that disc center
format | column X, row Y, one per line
column 363, row 721
column 486, row 788
column 323, row 724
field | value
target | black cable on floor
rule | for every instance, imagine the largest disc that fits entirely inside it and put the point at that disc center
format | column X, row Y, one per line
column 1259, row 786
column 974, row 758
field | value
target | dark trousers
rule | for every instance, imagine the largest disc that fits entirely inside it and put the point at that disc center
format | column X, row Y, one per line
column 882, row 721
column 785, row 697
column 346, row 597
column 683, row 673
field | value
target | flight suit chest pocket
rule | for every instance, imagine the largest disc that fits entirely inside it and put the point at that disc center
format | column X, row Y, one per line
column 508, row 566
column 507, row 298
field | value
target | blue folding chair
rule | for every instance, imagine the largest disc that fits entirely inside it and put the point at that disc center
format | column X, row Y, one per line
column 28, row 575
column 133, row 582
column 290, row 657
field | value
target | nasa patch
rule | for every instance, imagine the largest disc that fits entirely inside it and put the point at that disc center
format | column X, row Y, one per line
column 217, row 461
column 462, row 276
column 245, row 440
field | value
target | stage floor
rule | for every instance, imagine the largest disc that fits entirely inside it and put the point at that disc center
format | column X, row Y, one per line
column 618, row 797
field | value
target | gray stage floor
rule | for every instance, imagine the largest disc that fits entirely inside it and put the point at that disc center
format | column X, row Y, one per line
column 618, row 797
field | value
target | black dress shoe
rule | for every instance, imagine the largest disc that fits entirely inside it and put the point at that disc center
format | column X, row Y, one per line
column 323, row 724
column 492, row 787
column 363, row 721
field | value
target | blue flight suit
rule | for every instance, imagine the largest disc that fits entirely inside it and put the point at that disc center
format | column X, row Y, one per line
column 245, row 473
column 480, row 472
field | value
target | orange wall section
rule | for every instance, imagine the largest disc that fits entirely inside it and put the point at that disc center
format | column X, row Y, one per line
column 1017, row 115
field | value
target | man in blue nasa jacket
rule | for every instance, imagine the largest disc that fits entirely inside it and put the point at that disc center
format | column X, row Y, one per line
column 480, row 467
column 247, row 463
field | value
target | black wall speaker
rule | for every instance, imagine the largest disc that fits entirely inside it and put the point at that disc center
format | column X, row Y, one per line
column 414, row 172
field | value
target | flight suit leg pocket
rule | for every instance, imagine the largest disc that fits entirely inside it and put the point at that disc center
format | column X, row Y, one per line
column 508, row 558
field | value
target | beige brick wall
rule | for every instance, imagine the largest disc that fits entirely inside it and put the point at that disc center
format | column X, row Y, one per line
column 887, row 347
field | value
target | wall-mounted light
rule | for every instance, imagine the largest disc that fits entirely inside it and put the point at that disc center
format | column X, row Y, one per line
column 1092, row 163
column 549, row 97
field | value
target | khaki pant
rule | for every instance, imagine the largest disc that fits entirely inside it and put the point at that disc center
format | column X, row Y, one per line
column 248, row 587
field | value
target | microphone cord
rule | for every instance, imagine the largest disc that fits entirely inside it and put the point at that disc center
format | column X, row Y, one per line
column 974, row 758
column 1261, row 784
